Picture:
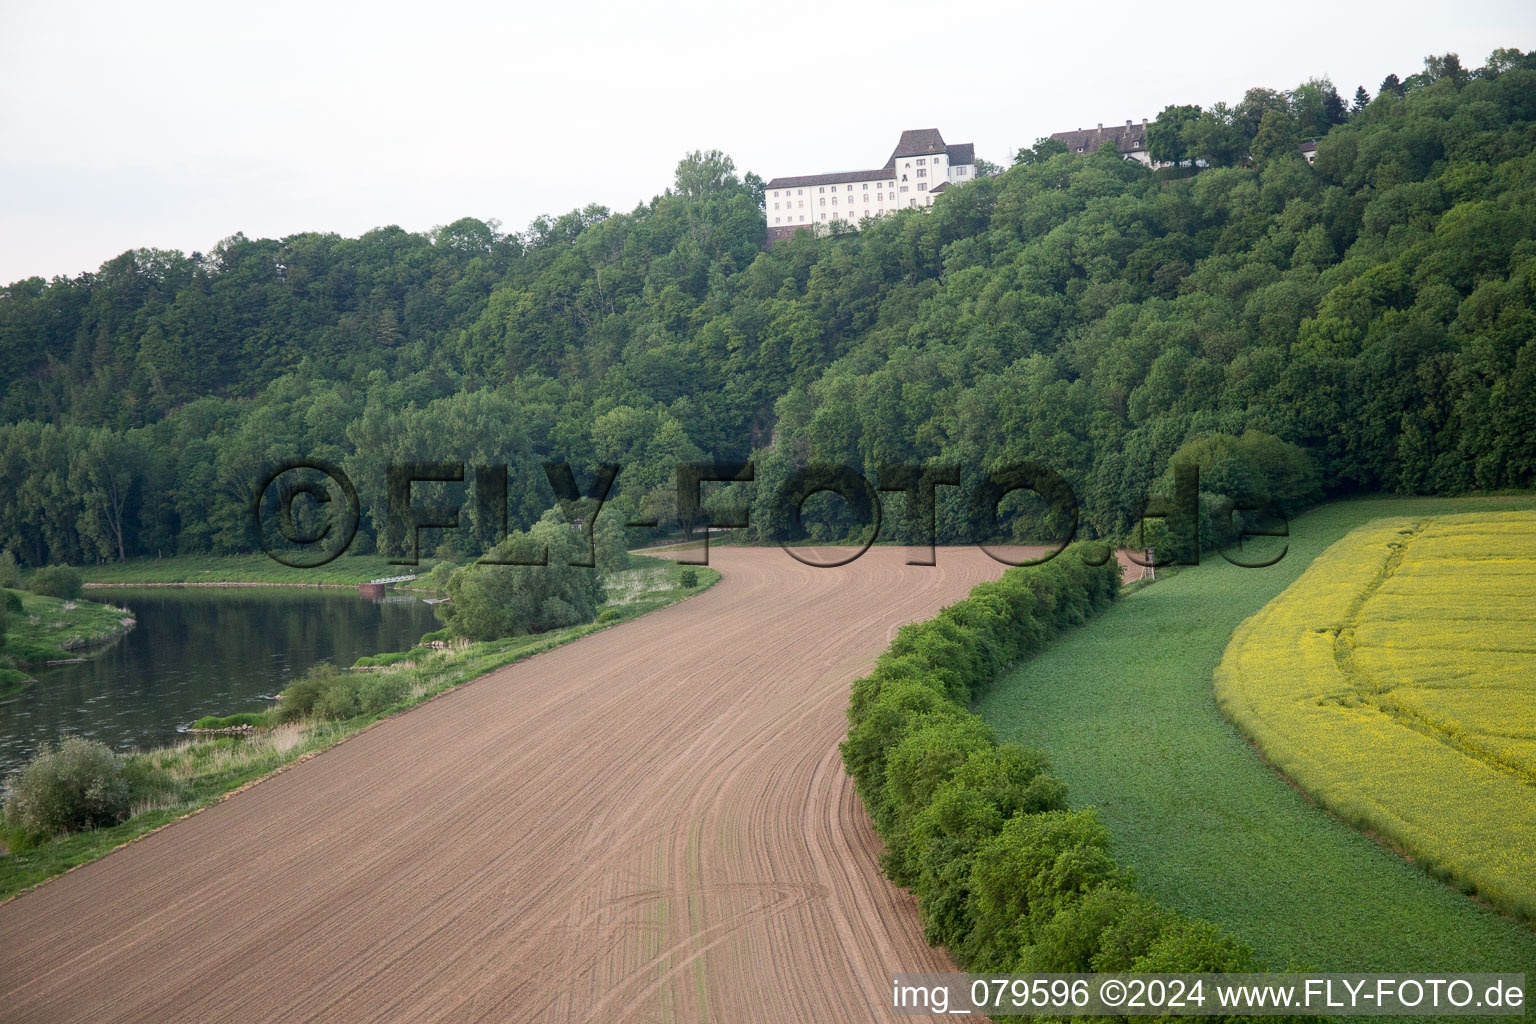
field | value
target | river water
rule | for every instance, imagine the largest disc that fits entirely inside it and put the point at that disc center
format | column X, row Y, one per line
column 200, row 651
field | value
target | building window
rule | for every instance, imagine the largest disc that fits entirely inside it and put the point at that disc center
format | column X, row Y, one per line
column 922, row 172
column 866, row 213
column 850, row 188
column 921, row 161
column 802, row 204
column 866, row 186
column 879, row 197
column 834, row 200
column 823, row 216
column 775, row 220
column 911, row 202
column 775, row 206
column 823, row 200
column 823, row 188
column 903, row 188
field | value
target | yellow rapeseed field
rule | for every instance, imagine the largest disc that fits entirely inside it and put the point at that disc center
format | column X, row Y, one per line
column 1395, row 681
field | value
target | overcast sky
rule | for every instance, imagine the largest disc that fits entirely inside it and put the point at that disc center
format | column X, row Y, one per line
column 173, row 125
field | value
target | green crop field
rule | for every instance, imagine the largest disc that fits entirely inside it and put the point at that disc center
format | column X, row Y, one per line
column 1394, row 682
column 1126, row 709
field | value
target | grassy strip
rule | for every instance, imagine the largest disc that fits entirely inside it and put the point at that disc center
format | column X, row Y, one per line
column 348, row 570
column 171, row 782
column 1367, row 684
column 1006, row 877
column 48, row 629
column 1126, row 712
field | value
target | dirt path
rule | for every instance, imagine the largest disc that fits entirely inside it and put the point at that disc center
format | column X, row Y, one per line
column 649, row 824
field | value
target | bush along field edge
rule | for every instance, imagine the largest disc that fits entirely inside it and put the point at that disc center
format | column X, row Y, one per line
column 78, row 801
column 1007, row 877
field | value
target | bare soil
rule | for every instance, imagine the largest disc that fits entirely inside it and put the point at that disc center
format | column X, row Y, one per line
column 649, row 824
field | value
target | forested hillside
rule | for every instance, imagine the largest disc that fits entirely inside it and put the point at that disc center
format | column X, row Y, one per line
column 1375, row 310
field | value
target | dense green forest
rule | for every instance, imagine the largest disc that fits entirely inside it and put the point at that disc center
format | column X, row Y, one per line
column 1366, row 321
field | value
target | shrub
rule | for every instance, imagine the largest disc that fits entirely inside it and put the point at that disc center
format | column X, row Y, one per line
column 77, row 785
column 13, row 602
column 492, row 601
column 437, row 579
column 56, row 581
column 10, row 574
column 689, row 578
column 326, row 693
column 609, row 615
column 1031, row 871
column 1196, row 947
column 5, row 621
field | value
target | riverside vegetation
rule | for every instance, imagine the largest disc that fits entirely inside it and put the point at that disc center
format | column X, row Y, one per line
column 1393, row 682
column 36, row 629
column 56, row 817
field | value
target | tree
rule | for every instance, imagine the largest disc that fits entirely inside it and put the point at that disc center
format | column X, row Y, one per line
column 1392, row 85
column 1317, row 106
column 1043, row 150
column 1276, row 138
column 105, row 473
column 58, row 581
column 1445, row 66
column 1168, row 136
column 702, row 173
column 543, row 591
column 1249, row 114
column 1362, row 100
column 1217, row 138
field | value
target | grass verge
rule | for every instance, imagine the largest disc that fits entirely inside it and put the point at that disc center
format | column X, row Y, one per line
column 1126, row 711
column 175, row 781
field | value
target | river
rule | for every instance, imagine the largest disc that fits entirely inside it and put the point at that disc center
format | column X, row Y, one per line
column 196, row 652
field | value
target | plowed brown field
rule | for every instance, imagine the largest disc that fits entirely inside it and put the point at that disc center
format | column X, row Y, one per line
column 649, row 824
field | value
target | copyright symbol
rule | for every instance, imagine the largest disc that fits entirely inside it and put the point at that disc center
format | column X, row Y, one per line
column 308, row 533
column 1112, row 992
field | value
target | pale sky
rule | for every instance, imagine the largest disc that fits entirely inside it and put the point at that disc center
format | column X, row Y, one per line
column 175, row 124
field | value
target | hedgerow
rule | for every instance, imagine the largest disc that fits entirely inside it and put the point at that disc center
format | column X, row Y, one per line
column 1007, row 877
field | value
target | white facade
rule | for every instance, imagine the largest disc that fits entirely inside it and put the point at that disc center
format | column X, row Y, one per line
column 920, row 166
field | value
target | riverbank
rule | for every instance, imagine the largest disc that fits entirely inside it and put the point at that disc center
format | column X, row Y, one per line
column 173, row 782
column 245, row 570
column 48, row 630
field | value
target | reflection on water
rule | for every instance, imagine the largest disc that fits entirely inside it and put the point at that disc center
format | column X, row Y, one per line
column 200, row 651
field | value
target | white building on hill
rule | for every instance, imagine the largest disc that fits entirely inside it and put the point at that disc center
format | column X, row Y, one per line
column 921, row 166
column 1130, row 141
